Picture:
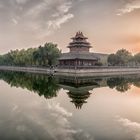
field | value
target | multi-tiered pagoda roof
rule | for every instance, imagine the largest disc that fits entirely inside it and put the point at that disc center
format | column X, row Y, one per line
column 79, row 41
column 79, row 49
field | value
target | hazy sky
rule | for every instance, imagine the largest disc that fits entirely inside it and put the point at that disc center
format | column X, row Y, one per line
column 109, row 24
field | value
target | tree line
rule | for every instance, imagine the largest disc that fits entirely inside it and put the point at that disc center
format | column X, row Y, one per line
column 46, row 55
column 124, row 58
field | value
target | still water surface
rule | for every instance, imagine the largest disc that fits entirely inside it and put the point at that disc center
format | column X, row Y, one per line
column 40, row 107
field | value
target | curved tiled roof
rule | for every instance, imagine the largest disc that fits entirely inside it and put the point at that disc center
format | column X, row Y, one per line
column 79, row 41
column 78, row 55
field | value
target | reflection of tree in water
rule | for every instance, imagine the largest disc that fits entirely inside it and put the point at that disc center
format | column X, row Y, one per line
column 137, row 82
column 41, row 84
column 46, row 86
column 123, row 84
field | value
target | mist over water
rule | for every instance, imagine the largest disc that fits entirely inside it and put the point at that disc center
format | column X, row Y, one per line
column 34, row 106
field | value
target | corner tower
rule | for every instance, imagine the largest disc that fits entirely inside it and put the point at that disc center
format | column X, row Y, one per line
column 79, row 55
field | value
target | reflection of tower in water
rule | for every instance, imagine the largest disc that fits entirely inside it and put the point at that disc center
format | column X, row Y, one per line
column 79, row 98
column 79, row 88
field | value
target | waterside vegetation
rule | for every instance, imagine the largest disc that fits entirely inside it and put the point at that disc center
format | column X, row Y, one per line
column 45, row 55
column 124, row 58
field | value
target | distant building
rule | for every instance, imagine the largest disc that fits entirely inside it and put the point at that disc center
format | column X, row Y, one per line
column 79, row 55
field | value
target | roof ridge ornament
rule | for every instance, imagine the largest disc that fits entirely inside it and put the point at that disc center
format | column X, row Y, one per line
column 79, row 34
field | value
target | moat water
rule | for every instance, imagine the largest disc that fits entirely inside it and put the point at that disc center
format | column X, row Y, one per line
column 41, row 107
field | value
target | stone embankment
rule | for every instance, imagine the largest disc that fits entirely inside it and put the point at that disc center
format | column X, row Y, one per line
column 27, row 69
column 104, row 71
column 97, row 71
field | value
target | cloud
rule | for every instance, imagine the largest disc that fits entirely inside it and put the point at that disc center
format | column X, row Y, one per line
column 21, row 1
column 14, row 21
column 39, row 16
column 31, row 22
column 57, row 108
column 41, row 120
column 61, row 16
column 57, row 16
column 129, row 7
column 1, row 6
column 56, row 24
column 64, row 8
column 36, row 10
column 132, row 128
